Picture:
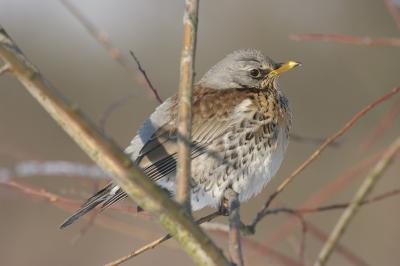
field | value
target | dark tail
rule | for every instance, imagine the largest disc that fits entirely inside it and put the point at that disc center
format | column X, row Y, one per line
column 98, row 198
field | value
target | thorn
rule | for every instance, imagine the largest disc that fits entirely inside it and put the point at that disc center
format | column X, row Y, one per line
column 4, row 69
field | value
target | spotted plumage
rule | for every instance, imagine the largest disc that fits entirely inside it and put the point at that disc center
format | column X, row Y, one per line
column 240, row 127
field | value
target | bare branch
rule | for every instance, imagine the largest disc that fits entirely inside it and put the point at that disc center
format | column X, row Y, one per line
column 235, row 247
column 394, row 10
column 385, row 122
column 185, row 102
column 316, row 154
column 149, row 84
column 365, row 188
column 340, row 38
column 124, row 99
column 109, row 157
column 157, row 242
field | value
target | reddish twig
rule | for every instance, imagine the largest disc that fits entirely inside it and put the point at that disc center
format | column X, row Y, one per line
column 57, row 200
column 316, row 154
column 385, row 122
column 394, row 11
column 340, row 38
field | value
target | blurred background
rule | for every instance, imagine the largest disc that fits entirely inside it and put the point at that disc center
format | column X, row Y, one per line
column 336, row 81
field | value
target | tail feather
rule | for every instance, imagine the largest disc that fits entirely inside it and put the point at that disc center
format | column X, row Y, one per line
column 98, row 198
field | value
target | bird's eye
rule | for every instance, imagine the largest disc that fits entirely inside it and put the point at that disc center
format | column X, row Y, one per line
column 255, row 73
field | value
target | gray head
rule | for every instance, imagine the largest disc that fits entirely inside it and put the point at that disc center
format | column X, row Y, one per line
column 245, row 68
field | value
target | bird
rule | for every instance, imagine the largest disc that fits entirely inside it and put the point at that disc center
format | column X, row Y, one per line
column 241, row 121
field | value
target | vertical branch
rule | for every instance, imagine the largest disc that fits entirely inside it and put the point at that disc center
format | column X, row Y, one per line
column 365, row 188
column 235, row 247
column 185, row 102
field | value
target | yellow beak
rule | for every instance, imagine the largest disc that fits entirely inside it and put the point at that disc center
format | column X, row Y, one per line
column 284, row 67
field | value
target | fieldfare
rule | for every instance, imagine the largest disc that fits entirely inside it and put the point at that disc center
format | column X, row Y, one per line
column 240, row 129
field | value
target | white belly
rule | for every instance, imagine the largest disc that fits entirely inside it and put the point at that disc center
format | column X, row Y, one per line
column 247, row 181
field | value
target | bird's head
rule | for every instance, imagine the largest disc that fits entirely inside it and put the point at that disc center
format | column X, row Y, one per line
column 247, row 68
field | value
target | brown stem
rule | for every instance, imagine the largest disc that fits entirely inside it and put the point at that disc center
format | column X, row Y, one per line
column 185, row 102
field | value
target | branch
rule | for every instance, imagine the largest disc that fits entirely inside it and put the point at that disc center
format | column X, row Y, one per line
column 103, row 39
column 385, row 122
column 157, row 242
column 254, row 246
column 111, row 159
column 317, row 153
column 342, row 250
column 144, row 74
column 394, row 11
column 365, row 188
column 185, row 103
column 340, row 38
column 235, row 247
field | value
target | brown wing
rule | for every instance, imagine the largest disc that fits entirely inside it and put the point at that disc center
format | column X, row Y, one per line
column 212, row 116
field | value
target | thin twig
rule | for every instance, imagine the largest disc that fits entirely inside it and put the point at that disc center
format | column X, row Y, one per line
column 102, row 38
column 148, row 81
column 157, row 242
column 234, row 246
column 111, row 158
column 365, row 188
column 385, row 122
column 184, row 124
column 340, row 38
column 316, row 154
column 394, row 10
